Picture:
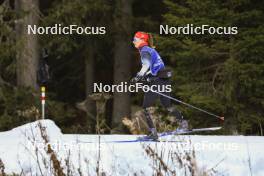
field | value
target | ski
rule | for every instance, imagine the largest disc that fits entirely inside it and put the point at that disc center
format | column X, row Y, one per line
column 179, row 132
column 132, row 141
column 141, row 140
column 175, row 132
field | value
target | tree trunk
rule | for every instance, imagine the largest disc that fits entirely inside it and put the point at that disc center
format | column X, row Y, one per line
column 89, row 80
column 88, row 105
column 28, row 55
column 122, row 61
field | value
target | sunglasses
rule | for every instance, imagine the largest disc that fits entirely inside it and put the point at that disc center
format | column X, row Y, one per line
column 136, row 39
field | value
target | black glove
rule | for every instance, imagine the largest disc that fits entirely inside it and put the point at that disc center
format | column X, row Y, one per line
column 136, row 79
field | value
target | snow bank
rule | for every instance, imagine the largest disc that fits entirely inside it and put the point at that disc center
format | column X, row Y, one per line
column 16, row 149
column 219, row 155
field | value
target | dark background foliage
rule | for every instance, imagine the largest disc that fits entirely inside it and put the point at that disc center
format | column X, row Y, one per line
column 220, row 73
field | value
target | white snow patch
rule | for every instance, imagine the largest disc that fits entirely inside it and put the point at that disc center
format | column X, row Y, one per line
column 228, row 155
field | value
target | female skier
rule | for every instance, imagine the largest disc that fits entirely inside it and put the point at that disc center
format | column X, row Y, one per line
column 153, row 69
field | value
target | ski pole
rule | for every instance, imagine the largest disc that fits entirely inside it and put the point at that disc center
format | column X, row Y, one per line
column 179, row 101
column 189, row 105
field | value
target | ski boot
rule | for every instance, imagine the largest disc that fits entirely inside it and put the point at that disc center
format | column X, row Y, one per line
column 183, row 125
column 153, row 135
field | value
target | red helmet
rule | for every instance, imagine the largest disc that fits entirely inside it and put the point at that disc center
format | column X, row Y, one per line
column 142, row 35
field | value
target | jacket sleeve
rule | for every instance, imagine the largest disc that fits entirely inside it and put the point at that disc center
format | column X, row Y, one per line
column 146, row 62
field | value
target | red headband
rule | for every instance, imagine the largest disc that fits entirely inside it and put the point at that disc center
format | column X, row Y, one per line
column 142, row 35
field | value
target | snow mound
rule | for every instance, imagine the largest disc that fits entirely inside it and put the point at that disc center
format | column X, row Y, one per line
column 23, row 149
column 32, row 130
column 18, row 146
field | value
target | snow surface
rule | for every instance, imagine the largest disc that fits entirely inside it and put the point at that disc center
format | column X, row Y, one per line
column 22, row 151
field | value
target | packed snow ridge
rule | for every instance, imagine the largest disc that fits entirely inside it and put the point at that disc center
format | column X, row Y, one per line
column 24, row 150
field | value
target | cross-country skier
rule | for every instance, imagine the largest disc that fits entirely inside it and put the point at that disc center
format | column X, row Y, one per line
column 153, row 69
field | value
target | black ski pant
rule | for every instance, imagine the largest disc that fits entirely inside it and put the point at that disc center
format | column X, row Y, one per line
column 150, row 98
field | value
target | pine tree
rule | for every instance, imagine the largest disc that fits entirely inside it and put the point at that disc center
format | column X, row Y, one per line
column 221, row 73
column 75, row 57
column 14, row 101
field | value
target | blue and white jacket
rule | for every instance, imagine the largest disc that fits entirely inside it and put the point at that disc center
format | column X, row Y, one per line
column 151, row 61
